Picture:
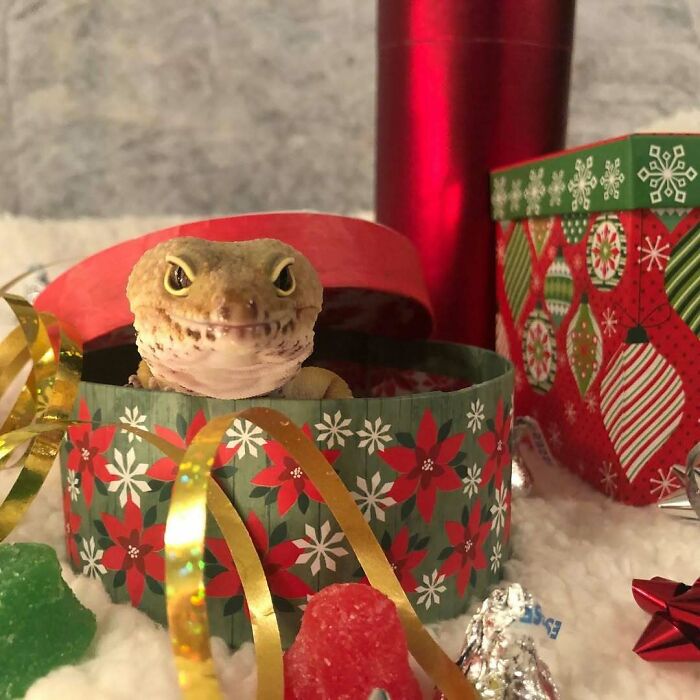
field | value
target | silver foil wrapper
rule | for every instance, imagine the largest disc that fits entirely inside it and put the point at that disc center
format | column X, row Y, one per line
column 501, row 663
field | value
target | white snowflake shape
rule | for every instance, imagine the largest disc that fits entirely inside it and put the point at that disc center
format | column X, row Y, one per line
column 518, row 380
column 534, row 191
column 667, row 173
column 591, row 403
column 475, row 415
column 653, row 253
column 499, row 198
column 320, row 548
column 245, row 435
column 570, row 412
column 665, row 483
column 609, row 322
column 129, row 477
column 612, row 179
column 302, row 606
column 556, row 187
column 501, row 251
column 608, row 478
column 334, row 429
column 499, row 509
column 554, row 435
column 373, row 436
column 577, row 262
column 135, row 419
column 472, row 480
column 495, row 558
column 92, row 557
column 515, row 194
column 73, row 485
column 372, row 498
column 536, row 283
column 431, row 589
column 582, row 183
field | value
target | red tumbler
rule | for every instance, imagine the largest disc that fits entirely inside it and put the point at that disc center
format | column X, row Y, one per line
column 464, row 86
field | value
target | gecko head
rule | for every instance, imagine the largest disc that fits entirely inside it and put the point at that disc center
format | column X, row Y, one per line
column 240, row 306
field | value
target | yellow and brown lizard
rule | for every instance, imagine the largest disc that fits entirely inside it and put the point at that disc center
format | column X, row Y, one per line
column 228, row 320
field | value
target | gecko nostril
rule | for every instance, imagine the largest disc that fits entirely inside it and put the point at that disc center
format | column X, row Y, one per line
column 252, row 308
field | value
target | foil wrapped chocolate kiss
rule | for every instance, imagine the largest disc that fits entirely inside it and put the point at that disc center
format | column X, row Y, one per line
column 501, row 663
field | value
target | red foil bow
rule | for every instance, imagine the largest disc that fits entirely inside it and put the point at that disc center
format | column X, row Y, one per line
column 673, row 633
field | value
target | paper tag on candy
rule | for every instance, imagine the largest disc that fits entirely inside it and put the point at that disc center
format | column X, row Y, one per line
column 534, row 616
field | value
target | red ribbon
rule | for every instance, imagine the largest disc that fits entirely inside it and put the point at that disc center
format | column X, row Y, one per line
column 673, row 633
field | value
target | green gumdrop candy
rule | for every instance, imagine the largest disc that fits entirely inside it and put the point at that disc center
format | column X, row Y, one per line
column 42, row 623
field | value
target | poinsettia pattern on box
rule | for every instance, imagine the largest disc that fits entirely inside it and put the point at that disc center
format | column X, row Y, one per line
column 456, row 465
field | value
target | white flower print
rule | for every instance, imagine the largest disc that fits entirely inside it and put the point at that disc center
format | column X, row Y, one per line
column 334, row 429
column 320, row 548
column 665, row 483
column 372, row 498
column 556, row 188
column 653, row 254
column 495, row 558
column 608, row 478
column 582, row 183
column 73, row 485
column 246, row 436
column 472, row 480
column 374, row 436
column 515, row 194
column 431, row 589
column 499, row 197
column 475, row 415
column 92, row 557
column 611, row 180
column 534, row 191
column 499, row 509
column 609, row 321
column 570, row 412
column 129, row 477
column 134, row 418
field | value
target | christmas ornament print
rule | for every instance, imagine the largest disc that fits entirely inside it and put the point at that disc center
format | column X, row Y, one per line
column 539, row 351
column 540, row 231
column 607, row 251
column 558, row 288
column 682, row 279
column 641, row 401
column 584, row 346
column 517, row 270
column 574, row 227
column 501, row 337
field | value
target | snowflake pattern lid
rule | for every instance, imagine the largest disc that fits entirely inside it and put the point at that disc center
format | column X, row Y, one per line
column 638, row 171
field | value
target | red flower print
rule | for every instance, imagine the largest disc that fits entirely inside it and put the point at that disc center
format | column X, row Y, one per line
column 403, row 561
column 276, row 561
column 286, row 474
column 467, row 547
column 165, row 469
column 87, row 456
column 71, row 522
column 135, row 549
column 496, row 444
column 424, row 468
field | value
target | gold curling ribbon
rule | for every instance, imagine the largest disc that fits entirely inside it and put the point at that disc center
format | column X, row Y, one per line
column 50, row 392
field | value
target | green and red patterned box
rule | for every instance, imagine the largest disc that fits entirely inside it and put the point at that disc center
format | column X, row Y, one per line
column 598, row 286
column 423, row 449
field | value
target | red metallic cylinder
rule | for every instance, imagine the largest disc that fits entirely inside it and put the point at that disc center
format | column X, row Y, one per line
column 463, row 86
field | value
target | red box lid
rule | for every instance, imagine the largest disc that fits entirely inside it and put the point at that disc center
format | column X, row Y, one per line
column 371, row 275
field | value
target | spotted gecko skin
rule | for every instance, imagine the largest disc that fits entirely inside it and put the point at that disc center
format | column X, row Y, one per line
column 230, row 332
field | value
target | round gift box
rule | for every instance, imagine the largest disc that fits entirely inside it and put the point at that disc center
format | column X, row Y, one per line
column 423, row 449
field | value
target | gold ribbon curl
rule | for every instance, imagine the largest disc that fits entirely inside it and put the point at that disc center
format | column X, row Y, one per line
column 39, row 419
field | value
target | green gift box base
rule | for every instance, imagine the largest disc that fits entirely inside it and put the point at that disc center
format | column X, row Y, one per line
column 424, row 453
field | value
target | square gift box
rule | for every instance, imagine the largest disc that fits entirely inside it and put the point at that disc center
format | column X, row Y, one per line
column 598, row 288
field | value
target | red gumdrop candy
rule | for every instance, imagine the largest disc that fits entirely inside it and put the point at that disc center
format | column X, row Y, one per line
column 350, row 642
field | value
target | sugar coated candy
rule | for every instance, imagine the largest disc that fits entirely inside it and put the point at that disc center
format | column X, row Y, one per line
column 350, row 643
column 42, row 623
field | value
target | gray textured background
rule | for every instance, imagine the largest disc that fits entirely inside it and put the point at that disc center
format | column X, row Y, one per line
column 115, row 107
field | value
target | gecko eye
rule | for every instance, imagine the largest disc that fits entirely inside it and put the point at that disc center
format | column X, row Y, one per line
column 178, row 276
column 283, row 278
